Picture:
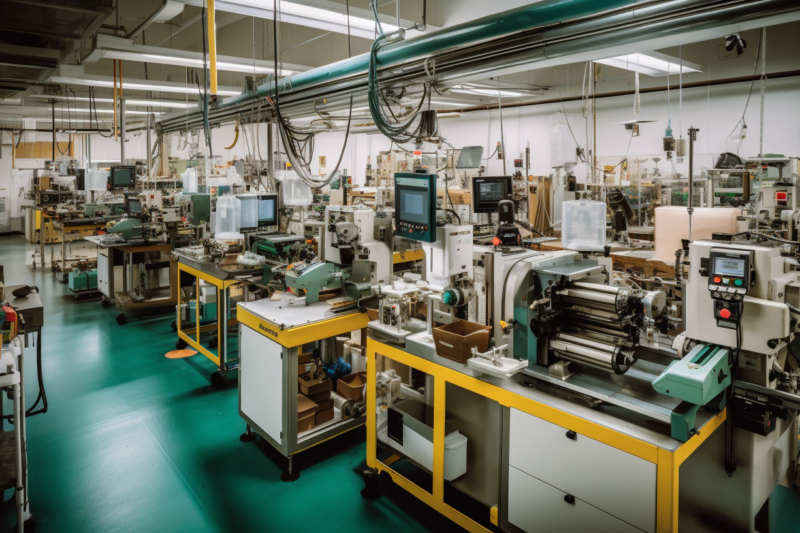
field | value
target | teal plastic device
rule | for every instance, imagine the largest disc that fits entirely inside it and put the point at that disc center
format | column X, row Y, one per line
column 699, row 379
column 415, row 206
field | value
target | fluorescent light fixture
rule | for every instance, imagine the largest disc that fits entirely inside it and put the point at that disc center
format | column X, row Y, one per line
column 195, row 63
column 138, row 85
column 142, row 103
column 487, row 92
column 652, row 64
column 316, row 13
column 46, row 112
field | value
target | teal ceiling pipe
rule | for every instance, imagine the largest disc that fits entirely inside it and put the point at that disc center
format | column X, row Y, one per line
column 537, row 15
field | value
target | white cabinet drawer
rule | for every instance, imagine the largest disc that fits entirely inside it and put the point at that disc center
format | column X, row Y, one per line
column 614, row 481
column 535, row 506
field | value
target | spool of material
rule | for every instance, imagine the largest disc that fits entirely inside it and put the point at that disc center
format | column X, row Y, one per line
column 584, row 350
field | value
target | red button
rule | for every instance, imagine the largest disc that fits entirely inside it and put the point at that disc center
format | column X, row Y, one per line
column 717, row 280
column 725, row 313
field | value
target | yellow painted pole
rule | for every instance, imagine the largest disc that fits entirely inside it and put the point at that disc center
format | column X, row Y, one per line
column 212, row 47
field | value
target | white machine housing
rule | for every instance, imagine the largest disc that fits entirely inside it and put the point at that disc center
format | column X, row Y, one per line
column 357, row 226
column 449, row 256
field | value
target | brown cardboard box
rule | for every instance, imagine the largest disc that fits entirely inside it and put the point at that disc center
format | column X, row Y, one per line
column 324, row 405
column 457, row 196
column 455, row 341
column 304, row 358
column 310, row 387
column 306, row 413
column 324, row 416
column 305, row 406
column 306, row 423
column 320, row 397
column 304, row 368
column 351, row 386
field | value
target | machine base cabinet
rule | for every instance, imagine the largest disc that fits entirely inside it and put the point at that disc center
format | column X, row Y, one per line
column 536, row 506
column 261, row 382
column 560, row 460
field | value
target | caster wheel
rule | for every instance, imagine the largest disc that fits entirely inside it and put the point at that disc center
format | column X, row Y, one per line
column 122, row 319
column 174, row 325
column 217, row 379
column 247, row 437
column 29, row 526
column 212, row 343
column 181, row 344
column 105, row 303
column 372, row 491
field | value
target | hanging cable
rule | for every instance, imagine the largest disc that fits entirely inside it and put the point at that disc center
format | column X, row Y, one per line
column 299, row 143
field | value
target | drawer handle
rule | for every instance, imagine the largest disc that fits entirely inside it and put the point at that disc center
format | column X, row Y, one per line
column 570, row 499
column 572, row 435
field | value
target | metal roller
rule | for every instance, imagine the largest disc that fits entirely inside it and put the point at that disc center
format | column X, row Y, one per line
column 591, row 351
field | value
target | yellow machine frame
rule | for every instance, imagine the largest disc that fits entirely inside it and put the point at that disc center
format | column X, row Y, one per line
column 667, row 463
column 221, row 285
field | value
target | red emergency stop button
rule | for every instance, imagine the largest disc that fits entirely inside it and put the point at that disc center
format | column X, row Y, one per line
column 496, row 241
column 717, row 280
column 725, row 313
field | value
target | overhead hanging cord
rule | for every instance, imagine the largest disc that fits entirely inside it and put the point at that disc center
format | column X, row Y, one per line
column 763, row 88
column 299, row 143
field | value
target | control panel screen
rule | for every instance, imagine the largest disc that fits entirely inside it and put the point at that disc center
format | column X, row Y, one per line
column 726, row 266
column 412, row 205
column 492, row 191
column 266, row 210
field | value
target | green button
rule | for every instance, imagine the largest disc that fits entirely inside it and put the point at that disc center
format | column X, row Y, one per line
column 738, row 283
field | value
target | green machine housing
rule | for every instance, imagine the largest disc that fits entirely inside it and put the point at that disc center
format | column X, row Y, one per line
column 700, row 380
column 415, row 206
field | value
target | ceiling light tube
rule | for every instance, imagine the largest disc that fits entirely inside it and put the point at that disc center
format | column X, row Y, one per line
column 138, row 103
column 139, row 85
column 651, row 64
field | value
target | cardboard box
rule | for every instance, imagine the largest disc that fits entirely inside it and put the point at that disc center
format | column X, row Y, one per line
column 324, row 416
column 457, row 196
column 455, row 341
column 310, row 387
column 320, row 397
column 304, row 358
column 351, row 386
column 304, row 368
column 305, row 406
column 306, row 423
column 324, row 405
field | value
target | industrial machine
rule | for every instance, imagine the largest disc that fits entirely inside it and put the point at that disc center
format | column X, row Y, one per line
column 355, row 253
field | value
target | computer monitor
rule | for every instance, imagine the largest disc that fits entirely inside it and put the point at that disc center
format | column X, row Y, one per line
column 80, row 179
column 133, row 205
column 122, row 178
column 487, row 193
column 267, row 210
column 415, row 206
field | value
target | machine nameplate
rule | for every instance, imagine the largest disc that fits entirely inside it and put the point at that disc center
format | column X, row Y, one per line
column 750, row 361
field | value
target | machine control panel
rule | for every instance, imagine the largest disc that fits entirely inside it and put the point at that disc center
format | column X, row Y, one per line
column 731, row 274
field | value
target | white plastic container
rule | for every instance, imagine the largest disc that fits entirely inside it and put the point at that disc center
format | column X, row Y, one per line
column 189, row 177
column 294, row 191
column 420, row 450
column 97, row 180
column 248, row 216
column 584, row 225
column 226, row 225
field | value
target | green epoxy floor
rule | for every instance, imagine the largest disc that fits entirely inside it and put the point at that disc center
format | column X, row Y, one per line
column 134, row 442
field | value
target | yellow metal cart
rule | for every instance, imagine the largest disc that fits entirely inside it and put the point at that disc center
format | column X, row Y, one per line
column 513, row 420
column 272, row 335
column 212, row 290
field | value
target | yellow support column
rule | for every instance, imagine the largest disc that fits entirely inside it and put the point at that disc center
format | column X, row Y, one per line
column 212, row 47
column 439, row 399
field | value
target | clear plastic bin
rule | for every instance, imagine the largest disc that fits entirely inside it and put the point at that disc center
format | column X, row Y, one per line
column 294, row 191
column 226, row 225
column 248, row 216
column 189, row 177
column 584, row 225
